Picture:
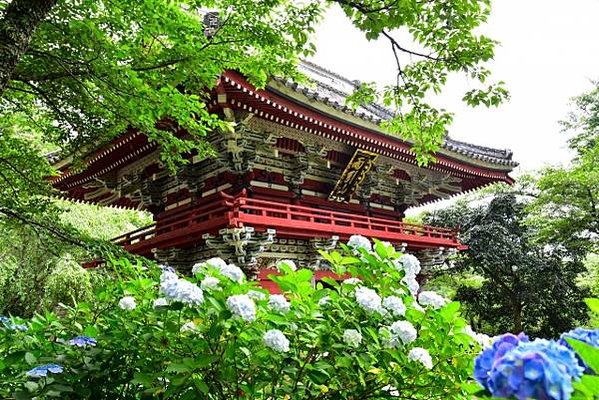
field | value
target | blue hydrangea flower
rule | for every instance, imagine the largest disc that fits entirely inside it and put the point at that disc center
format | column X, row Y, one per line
column 535, row 370
column 588, row 336
column 43, row 370
column 82, row 341
column 485, row 360
column 8, row 324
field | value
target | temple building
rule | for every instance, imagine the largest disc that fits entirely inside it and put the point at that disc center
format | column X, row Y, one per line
column 300, row 172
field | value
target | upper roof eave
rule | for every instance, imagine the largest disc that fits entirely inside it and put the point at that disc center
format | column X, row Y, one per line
column 465, row 152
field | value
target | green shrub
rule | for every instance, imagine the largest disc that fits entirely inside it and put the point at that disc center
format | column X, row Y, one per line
column 348, row 340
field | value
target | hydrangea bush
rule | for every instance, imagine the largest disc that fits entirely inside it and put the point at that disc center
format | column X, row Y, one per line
column 152, row 333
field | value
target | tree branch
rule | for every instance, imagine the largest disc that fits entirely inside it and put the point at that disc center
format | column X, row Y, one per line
column 21, row 18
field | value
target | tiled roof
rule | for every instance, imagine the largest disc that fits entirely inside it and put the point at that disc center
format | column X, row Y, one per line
column 332, row 89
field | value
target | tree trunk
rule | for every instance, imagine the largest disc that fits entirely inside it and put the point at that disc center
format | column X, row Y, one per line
column 19, row 21
column 517, row 316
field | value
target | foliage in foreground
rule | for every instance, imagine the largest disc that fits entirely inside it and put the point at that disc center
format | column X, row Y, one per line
column 153, row 334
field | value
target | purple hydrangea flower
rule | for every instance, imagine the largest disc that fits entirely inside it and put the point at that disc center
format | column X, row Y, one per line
column 485, row 360
column 541, row 369
column 43, row 370
column 82, row 341
column 588, row 336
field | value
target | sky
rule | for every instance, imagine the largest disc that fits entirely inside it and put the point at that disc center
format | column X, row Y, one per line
column 549, row 53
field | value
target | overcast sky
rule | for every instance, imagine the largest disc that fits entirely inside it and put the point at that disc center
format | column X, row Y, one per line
column 549, row 52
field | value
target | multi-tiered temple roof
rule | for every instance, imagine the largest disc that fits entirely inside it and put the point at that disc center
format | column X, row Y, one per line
column 300, row 171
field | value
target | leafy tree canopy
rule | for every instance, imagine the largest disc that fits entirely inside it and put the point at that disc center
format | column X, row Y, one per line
column 79, row 73
column 566, row 207
column 527, row 286
column 38, row 271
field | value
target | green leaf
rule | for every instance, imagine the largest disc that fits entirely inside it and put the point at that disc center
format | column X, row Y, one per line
column 91, row 331
column 178, row 368
column 142, row 379
column 200, row 384
column 60, row 388
column 591, row 382
column 204, row 360
column 21, row 395
column 588, row 353
column 31, row 386
column 30, row 358
column 593, row 304
column 471, row 387
column 304, row 275
column 449, row 311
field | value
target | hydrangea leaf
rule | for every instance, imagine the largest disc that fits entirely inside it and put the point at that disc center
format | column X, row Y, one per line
column 593, row 304
column 91, row 331
column 588, row 387
column 30, row 358
column 588, row 353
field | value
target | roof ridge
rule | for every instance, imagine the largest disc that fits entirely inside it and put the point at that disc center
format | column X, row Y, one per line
column 501, row 156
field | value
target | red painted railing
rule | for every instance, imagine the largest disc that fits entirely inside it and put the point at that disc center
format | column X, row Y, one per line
column 262, row 212
column 185, row 227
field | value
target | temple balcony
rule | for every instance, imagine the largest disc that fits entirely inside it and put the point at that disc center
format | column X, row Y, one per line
column 187, row 226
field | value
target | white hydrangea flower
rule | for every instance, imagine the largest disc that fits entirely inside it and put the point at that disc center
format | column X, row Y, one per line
column 279, row 303
column 324, row 301
column 160, row 302
column 232, row 272
column 368, row 299
column 188, row 327
column 409, row 264
column 430, row 298
column 289, row 263
column 256, row 295
column 167, row 276
column 182, row 291
column 404, row 330
column 422, row 356
column 127, row 303
column 359, row 242
column 276, row 340
column 352, row 281
column 392, row 390
column 197, row 267
column 412, row 284
column 395, row 305
column 215, row 262
column 209, row 283
column 483, row 340
column 352, row 337
column 416, row 306
column 164, row 267
column 242, row 306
